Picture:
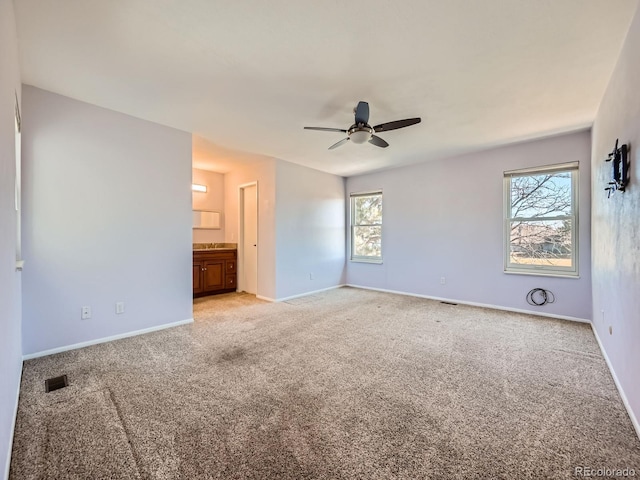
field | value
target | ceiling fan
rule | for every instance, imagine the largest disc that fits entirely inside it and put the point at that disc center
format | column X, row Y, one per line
column 361, row 131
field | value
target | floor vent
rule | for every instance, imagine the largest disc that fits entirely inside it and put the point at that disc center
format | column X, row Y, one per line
column 449, row 303
column 55, row 383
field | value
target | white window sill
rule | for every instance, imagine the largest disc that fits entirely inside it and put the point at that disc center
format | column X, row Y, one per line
column 542, row 273
column 367, row 260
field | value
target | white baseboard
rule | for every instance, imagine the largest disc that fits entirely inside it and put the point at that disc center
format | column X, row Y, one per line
column 284, row 299
column 75, row 346
column 266, row 299
column 475, row 304
column 13, row 426
column 623, row 396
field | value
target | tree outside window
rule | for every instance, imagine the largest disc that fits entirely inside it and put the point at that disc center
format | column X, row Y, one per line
column 541, row 220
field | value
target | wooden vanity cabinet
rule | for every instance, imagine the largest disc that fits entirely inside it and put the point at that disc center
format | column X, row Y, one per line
column 214, row 271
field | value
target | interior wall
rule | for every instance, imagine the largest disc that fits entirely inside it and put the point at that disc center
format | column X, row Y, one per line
column 107, row 218
column 211, row 200
column 10, row 290
column 310, row 212
column 445, row 219
column 616, row 224
column 262, row 171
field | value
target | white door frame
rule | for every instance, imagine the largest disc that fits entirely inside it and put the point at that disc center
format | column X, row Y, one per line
column 241, row 279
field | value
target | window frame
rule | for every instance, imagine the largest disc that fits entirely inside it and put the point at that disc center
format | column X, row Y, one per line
column 18, row 183
column 543, row 270
column 352, row 216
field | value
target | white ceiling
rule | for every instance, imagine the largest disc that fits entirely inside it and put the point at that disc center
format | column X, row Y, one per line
column 248, row 75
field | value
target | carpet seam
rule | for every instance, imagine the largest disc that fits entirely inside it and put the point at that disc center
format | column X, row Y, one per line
column 134, row 453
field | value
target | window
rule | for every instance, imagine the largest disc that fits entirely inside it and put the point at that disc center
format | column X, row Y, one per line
column 18, row 182
column 366, row 227
column 541, row 220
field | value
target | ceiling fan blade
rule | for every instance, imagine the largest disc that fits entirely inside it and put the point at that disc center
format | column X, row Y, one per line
column 324, row 129
column 362, row 112
column 378, row 142
column 385, row 127
column 336, row 145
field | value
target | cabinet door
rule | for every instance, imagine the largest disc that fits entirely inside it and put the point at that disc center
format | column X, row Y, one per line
column 213, row 275
column 197, row 277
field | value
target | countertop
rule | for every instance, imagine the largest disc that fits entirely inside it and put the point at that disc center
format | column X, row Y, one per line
column 215, row 247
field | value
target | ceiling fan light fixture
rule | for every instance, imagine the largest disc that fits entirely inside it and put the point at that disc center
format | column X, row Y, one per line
column 360, row 136
column 361, row 132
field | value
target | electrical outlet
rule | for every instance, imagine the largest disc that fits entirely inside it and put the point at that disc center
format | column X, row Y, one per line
column 311, row 276
column 443, row 280
column 86, row 313
column 119, row 308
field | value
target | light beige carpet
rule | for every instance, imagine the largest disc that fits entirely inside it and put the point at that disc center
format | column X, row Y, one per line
column 338, row 385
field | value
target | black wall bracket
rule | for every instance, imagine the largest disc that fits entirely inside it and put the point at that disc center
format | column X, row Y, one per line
column 620, row 161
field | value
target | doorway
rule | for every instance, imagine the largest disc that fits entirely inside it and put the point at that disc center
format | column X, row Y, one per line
column 248, row 238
